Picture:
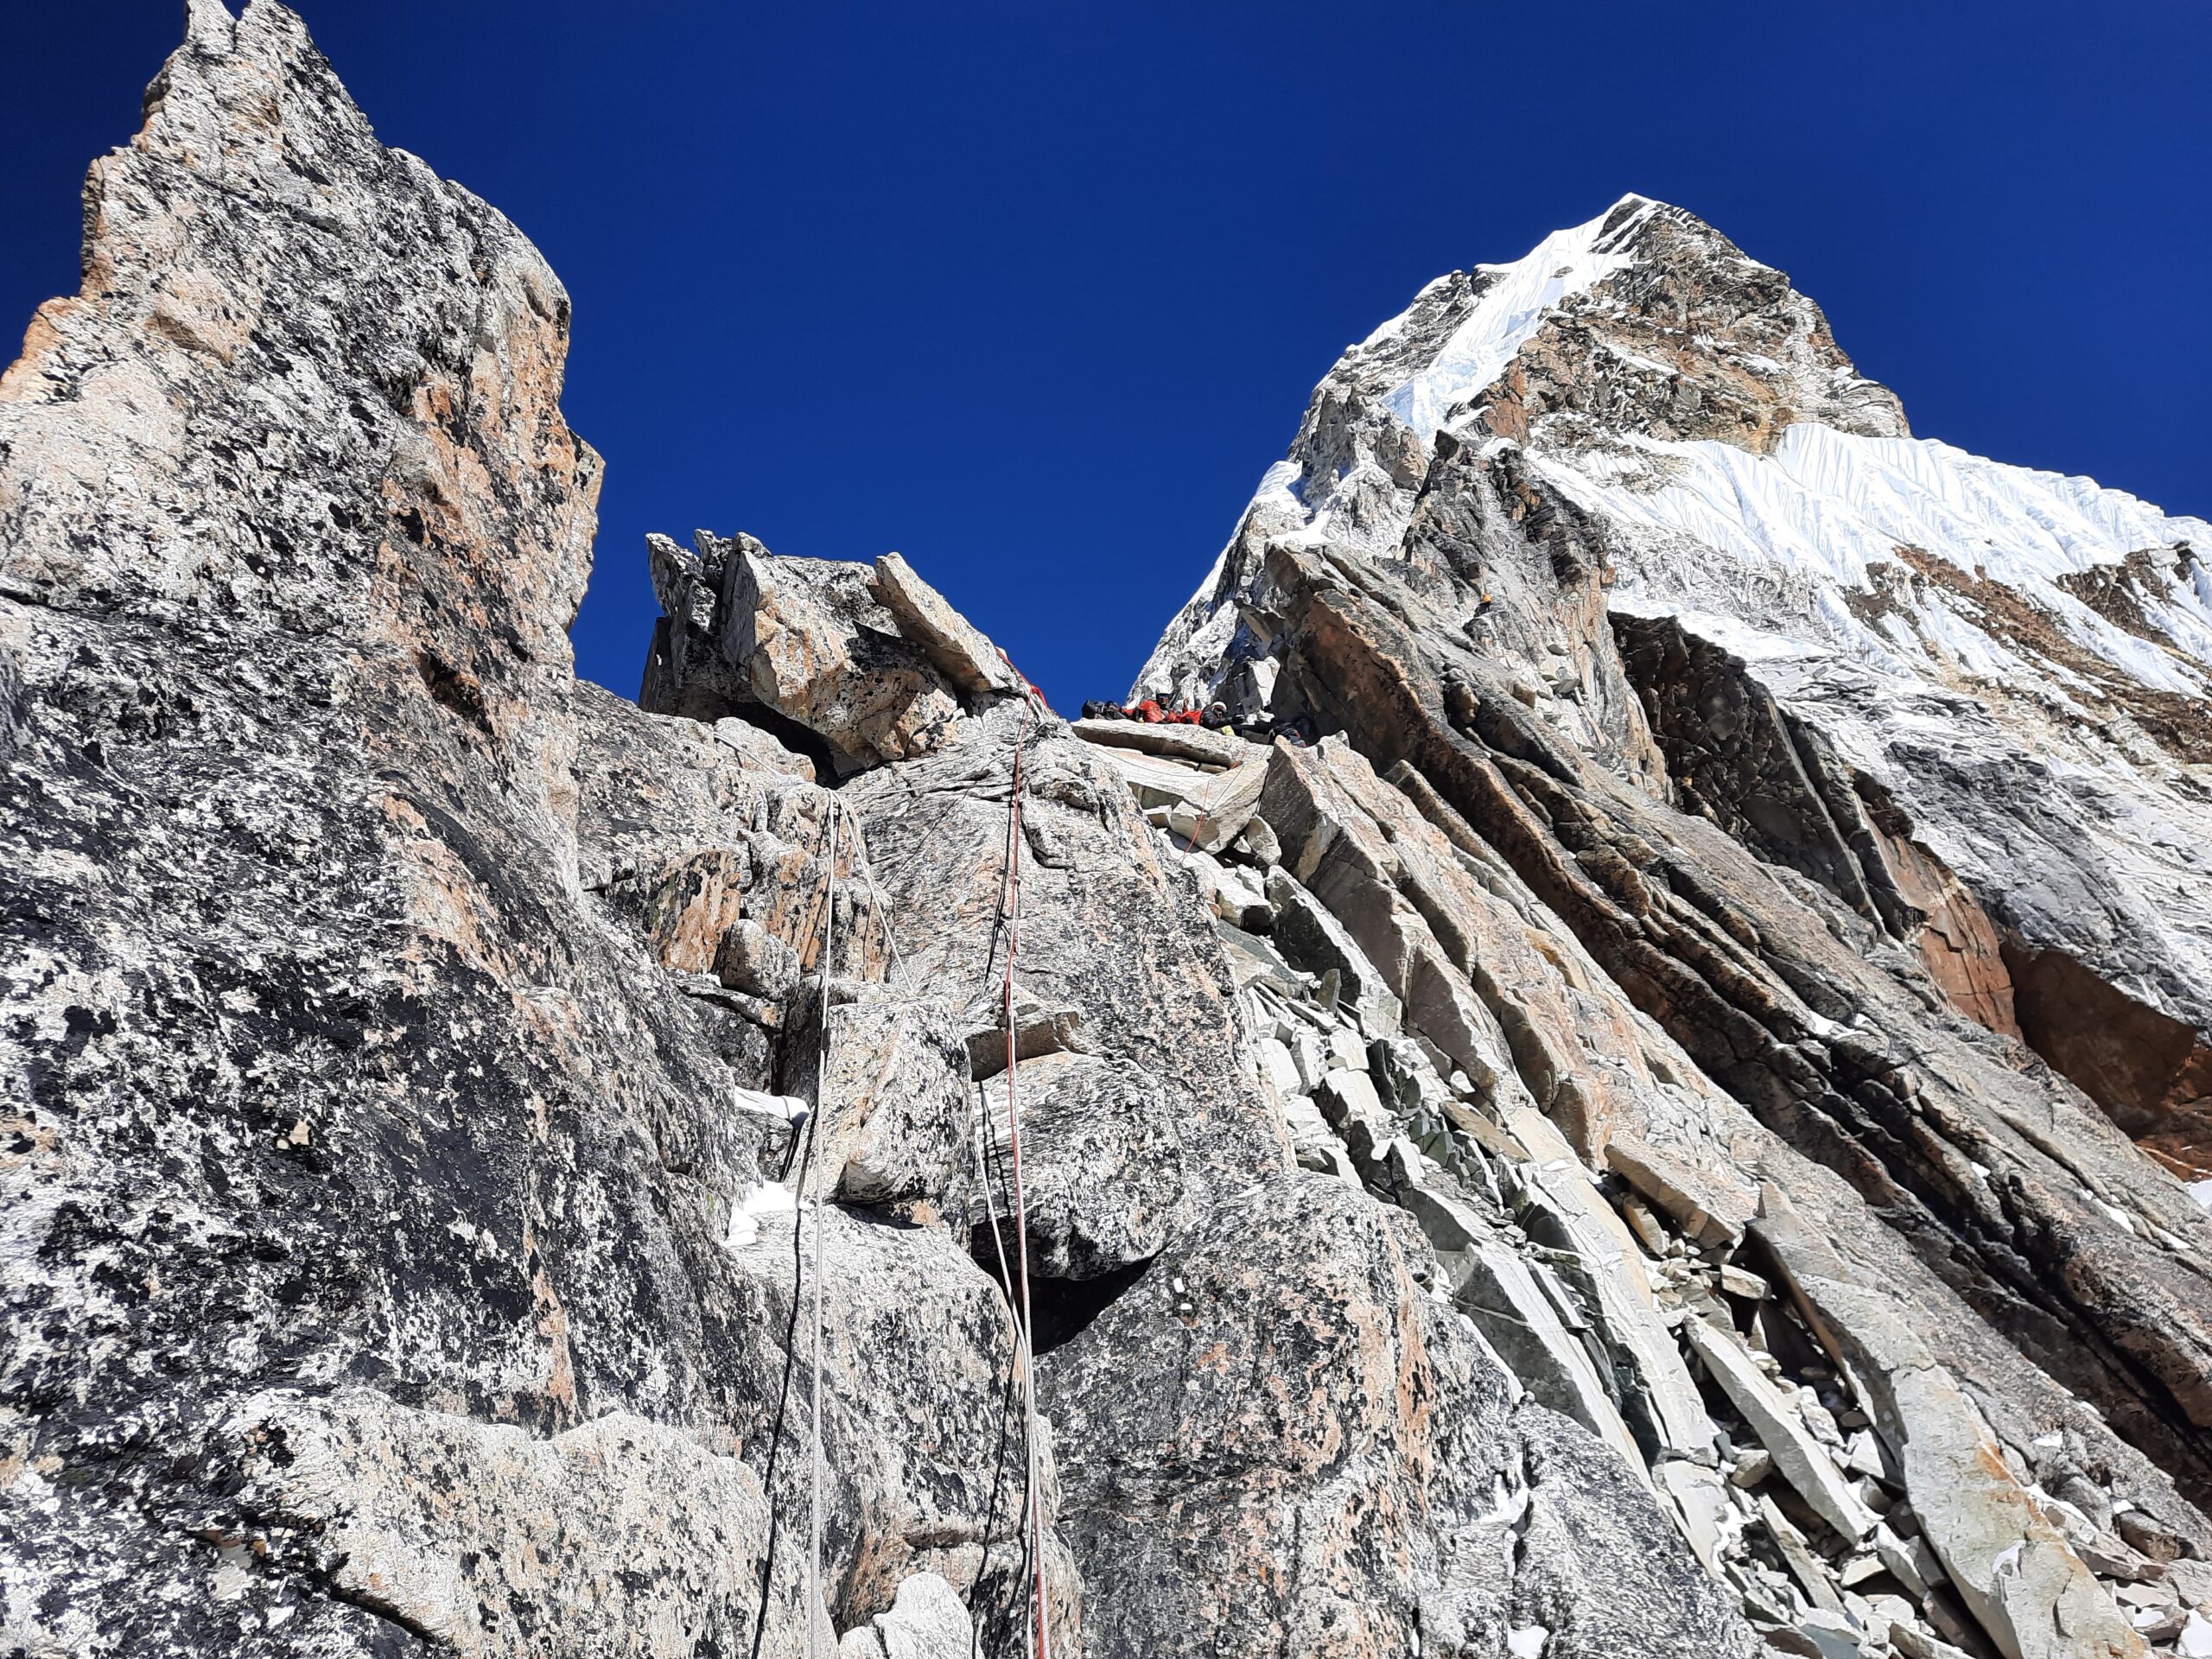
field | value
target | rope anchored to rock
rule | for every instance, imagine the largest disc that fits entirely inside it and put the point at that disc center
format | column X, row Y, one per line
column 816, row 1180
column 811, row 1152
column 1034, row 1502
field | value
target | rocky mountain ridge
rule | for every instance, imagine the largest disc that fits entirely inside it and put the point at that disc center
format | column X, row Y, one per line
column 2009, row 665
column 1543, row 1172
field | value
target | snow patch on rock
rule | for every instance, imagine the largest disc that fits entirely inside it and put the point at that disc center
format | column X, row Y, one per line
column 1514, row 301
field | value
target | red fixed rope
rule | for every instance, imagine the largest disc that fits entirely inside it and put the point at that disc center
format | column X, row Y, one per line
column 1021, row 1207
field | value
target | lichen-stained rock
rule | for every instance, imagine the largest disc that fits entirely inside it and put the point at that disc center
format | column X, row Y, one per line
column 701, row 845
column 894, row 1099
column 686, row 671
column 377, row 1121
column 1102, row 1164
column 1038, row 1030
column 465, row 1534
column 650, row 790
column 817, row 650
column 1106, row 931
column 1598, row 1570
column 1318, row 1458
column 926, row 1621
column 922, row 1423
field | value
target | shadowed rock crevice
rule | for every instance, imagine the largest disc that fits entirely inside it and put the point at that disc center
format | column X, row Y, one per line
column 1734, row 756
column 1064, row 1309
column 2151, row 1071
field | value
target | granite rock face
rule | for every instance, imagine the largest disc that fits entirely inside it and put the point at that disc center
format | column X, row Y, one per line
column 394, row 1258
column 490, row 1163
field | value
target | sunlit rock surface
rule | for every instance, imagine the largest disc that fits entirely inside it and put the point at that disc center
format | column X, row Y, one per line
column 1550, row 1169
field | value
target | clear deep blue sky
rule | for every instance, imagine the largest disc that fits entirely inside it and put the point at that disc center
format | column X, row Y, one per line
column 1035, row 292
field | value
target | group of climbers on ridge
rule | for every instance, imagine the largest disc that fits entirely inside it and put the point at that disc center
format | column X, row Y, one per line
column 1260, row 726
column 1214, row 717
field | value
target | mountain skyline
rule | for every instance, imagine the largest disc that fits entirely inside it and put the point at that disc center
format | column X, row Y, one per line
column 857, row 239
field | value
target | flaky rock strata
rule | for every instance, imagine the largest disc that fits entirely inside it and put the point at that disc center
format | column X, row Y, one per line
column 1515, row 558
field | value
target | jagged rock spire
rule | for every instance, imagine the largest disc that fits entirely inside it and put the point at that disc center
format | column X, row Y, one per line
column 209, row 24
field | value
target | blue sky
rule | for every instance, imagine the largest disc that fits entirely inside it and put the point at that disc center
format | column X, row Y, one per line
column 1034, row 293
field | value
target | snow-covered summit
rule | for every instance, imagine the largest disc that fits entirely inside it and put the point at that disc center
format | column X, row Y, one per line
column 1643, row 321
column 2017, row 662
column 1668, row 383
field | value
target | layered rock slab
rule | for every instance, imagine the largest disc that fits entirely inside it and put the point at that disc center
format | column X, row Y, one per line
column 1756, row 984
column 1325, row 1496
column 1570, row 552
column 1756, row 977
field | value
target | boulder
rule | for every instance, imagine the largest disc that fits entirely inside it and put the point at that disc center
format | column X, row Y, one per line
column 976, row 669
column 893, row 1099
column 1375, row 1473
column 1104, row 1173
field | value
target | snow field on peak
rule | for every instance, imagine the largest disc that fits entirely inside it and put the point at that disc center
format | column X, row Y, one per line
column 1510, row 309
column 1826, row 505
column 1781, row 544
column 1768, row 558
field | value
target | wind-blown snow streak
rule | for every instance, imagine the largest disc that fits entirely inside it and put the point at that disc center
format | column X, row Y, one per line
column 1827, row 507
